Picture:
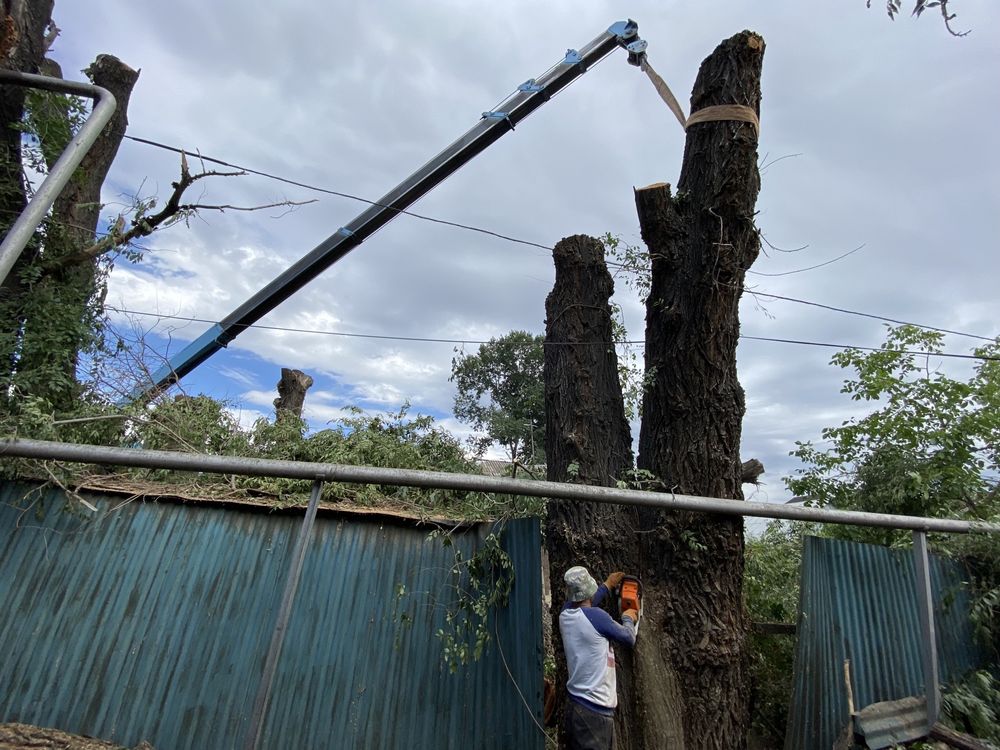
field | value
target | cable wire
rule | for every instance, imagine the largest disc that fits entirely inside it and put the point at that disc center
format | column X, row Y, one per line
column 339, row 194
column 423, row 339
column 529, row 243
column 873, row 316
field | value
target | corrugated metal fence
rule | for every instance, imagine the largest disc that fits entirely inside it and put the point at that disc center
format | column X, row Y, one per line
column 152, row 621
column 858, row 602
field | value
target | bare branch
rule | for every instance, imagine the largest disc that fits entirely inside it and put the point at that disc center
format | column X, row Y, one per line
column 227, row 207
column 172, row 211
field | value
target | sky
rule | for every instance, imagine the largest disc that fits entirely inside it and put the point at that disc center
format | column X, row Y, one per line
column 873, row 133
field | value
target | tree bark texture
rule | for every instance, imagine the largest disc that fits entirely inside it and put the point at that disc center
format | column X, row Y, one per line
column 65, row 293
column 587, row 436
column 702, row 241
column 291, row 393
column 22, row 48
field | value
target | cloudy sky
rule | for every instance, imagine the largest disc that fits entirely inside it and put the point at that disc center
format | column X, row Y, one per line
column 890, row 129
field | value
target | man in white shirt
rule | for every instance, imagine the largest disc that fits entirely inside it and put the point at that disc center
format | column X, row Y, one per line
column 587, row 634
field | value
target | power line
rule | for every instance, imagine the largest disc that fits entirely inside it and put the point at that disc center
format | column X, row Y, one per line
column 613, row 264
column 528, row 243
column 870, row 315
column 423, row 339
column 424, row 217
column 338, row 193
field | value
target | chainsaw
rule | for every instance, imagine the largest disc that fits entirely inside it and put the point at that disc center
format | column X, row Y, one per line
column 630, row 596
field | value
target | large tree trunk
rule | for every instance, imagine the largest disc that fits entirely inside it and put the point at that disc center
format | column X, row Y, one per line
column 587, row 436
column 22, row 48
column 702, row 241
column 685, row 684
column 58, row 314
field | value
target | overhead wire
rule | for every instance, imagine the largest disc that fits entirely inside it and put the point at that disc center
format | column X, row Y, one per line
column 517, row 240
column 872, row 316
column 508, row 238
column 469, row 341
column 423, row 217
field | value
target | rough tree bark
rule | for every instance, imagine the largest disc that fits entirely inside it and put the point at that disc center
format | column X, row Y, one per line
column 69, row 288
column 685, row 684
column 22, row 48
column 702, row 241
column 291, row 393
column 585, row 424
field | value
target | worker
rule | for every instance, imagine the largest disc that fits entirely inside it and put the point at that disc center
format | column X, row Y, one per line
column 587, row 634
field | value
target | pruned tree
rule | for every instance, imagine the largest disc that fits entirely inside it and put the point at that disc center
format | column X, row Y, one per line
column 291, row 394
column 51, row 304
column 687, row 684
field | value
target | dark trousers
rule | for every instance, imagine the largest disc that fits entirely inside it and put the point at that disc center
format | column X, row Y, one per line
column 588, row 730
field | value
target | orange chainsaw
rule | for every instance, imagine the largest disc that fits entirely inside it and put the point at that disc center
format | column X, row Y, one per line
column 630, row 596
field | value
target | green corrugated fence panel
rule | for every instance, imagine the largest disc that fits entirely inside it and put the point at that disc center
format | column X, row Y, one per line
column 859, row 602
column 152, row 621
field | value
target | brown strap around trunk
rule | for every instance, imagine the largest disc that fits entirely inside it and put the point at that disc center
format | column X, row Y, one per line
column 707, row 114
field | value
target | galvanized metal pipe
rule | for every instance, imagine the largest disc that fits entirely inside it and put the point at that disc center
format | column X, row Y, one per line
column 96, row 454
column 263, row 698
column 928, row 639
column 33, row 214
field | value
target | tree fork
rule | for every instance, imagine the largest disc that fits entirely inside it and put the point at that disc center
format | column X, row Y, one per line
column 702, row 241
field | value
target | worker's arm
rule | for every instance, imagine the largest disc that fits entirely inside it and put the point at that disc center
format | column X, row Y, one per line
column 600, row 595
column 606, row 626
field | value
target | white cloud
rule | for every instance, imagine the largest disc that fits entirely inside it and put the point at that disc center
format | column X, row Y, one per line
column 355, row 98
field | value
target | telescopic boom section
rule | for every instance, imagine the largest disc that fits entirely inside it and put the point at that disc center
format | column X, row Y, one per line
column 530, row 96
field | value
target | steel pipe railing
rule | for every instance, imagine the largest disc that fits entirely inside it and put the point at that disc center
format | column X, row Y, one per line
column 96, row 454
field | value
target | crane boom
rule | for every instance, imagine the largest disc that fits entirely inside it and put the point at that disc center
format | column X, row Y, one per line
column 530, row 96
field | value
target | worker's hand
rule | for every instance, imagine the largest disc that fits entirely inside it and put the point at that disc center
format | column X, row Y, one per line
column 631, row 613
column 614, row 580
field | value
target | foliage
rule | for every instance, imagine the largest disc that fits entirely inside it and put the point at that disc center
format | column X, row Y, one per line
column 48, row 319
column 973, row 706
column 200, row 424
column 632, row 265
column 893, row 8
column 771, row 592
column 931, row 449
column 482, row 584
column 501, row 393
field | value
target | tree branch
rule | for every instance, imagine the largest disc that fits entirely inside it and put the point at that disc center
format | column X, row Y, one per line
column 143, row 226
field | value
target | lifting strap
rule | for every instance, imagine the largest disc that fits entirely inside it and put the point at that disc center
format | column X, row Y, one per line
column 707, row 114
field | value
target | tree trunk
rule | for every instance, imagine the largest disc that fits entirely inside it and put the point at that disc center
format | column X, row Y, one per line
column 59, row 313
column 702, row 241
column 587, row 437
column 291, row 393
column 22, row 48
column 684, row 686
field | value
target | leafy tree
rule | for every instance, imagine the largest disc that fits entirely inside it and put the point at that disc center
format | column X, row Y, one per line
column 501, row 393
column 770, row 587
column 931, row 449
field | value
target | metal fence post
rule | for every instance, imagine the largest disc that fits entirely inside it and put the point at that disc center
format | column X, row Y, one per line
column 922, row 570
column 263, row 698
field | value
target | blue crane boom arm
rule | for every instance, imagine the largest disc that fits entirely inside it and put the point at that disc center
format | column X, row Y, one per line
column 529, row 97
